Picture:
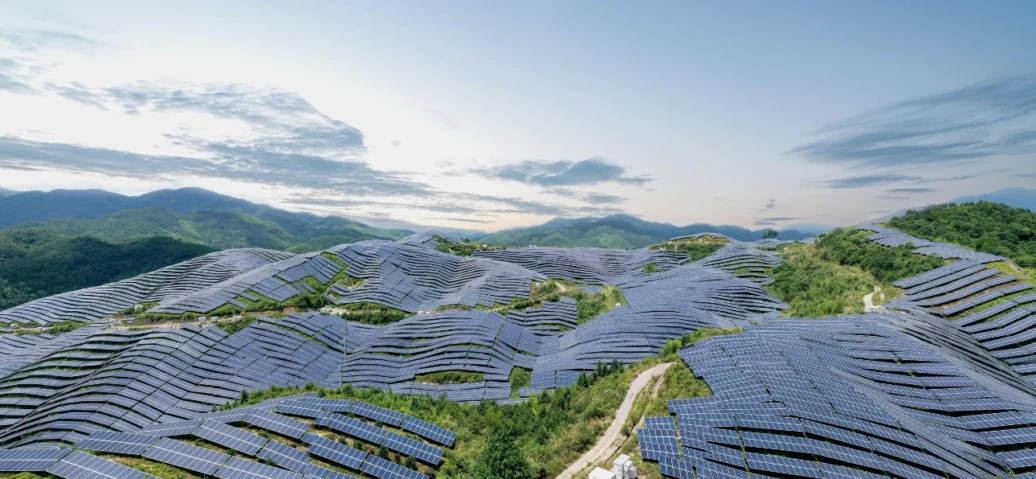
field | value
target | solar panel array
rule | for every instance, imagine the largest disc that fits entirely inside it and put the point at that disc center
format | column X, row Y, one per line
column 587, row 265
column 414, row 278
column 288, row 454
column 854, row 398
column 165, row 284
column 890, row 237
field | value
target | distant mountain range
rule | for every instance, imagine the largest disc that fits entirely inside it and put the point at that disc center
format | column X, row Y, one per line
column 618, row 231
column 1015, row 197
column 190, row 214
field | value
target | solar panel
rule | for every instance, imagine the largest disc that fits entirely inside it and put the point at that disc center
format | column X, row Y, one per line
column 29, row 459
column 80, row 465
column 338, row 453
column 284, row 456
column 354, row 428
column 412, row 447
column 230, row 437
column 238, row 468
column 383, row 469
column 279, row 424
column 429, row 431
column 186, row 456
column 117, row 442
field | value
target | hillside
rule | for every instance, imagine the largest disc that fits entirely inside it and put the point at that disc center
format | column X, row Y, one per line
column 36, row 262
column 617, row 231
column 38, row 206
column 983, row 226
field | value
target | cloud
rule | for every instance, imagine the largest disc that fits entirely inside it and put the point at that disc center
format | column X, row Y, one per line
column 996, row 117
column 347, row 177
column 1028, row 175
column 773, row 220
column 455, row 203
column 910, row 190
column 282, row 121
column 868, row 180
column 562, row 173
column 11, row 84
column 36, row 40
column 592, row 198
column 463, row 220
column 771, row 204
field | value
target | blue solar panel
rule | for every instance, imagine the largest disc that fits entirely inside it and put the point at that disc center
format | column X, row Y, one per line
column 332, row 451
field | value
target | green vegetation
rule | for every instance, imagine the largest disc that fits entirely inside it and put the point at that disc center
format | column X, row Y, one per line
column 591, row 306
column 550, row 430
column 520, row 378
column 813, row 287
column 35, row 263
column 651, row 268
column 232, row 327
column 371, row 313
column 695, row 248
column 463, row 247
column 850, row 247
column 832, row 275
column 983, row 226
column 673, row 346
column 588, row 306
column 55, row 329
column 616, row 231
column 450, row 377
column 502, row 459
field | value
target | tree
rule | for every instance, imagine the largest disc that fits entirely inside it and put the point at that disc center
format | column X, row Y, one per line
column 770, row 233
column 502, row 458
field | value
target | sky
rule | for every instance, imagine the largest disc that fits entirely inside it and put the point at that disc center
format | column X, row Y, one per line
column 491, row 115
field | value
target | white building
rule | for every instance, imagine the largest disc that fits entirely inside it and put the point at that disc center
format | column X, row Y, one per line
column 623, row 468
column 599, row 473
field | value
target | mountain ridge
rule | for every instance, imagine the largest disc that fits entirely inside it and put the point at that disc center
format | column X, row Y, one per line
column 618, row 231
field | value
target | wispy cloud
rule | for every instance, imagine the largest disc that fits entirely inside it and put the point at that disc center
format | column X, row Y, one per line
column 348, row 177
column 910, row 190
column 562, row 173
column 996, row 117
column 592, row 198
column 773, row 220
column 868, row 180
column 32, row 41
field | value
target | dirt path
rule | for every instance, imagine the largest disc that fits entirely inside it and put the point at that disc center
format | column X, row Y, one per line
column 611, row 440
column 868, row 302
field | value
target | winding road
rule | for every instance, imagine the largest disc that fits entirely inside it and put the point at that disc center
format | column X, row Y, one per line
column 612, row 439
column 868, row 302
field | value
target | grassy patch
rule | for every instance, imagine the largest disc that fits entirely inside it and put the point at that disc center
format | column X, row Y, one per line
column 372, row 313
column 450, row 377
column 157, row 469
column 55, row 329
column 813, row 287
column 695, row 248
column 520, row 378
column 651, row 268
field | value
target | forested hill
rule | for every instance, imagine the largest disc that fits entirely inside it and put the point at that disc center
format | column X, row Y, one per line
column 618, row 231
column 35, row 263
column 38, row 206
column 987, row 227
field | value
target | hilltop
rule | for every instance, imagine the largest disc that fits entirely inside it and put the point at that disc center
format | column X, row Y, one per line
column 618, row 231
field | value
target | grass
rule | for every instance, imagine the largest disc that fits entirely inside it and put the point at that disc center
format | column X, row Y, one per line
column 519, row 378
column 450, row 377
column 695, row 248
column 814, row 287
column 56, row 329
column 1009, row 268
column 157, row 469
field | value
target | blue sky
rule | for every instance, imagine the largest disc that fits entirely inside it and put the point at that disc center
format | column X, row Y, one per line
column 489, row 115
